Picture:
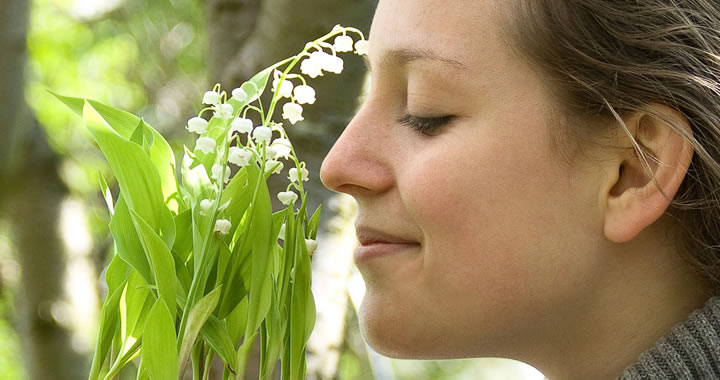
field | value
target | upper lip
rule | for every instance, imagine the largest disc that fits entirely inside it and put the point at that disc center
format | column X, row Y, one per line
column 367, row 235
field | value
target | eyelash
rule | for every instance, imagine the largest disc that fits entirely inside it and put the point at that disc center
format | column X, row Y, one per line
column 425, row 125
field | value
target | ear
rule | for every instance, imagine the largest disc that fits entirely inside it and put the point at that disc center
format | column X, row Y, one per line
column 635, row 198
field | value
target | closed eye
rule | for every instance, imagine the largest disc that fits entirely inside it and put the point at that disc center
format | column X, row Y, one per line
column 425, row 125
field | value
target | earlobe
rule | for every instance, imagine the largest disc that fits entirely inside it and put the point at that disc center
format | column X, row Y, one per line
column 640, row 193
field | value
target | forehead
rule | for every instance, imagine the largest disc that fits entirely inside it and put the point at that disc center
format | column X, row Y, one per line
column 461, row 30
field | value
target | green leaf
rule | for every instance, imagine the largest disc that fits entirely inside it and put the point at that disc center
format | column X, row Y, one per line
column 311, row 231
column 127, row 243
column 236, row 321
column 302, row 307
column 107, row 195
column 217, row 336
column 108, row 325
column 160, row 258
column 260, row 233
column 196, row 319
column 160, row 356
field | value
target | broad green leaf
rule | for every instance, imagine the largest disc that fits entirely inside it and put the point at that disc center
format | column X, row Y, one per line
column 261, row 239
column 160, row 258
column 311, row 231
column 302, row 309
column 236, row 321
column 135, row 303
column 124, row 124
column 160, row 356
column 116, row 274
column 217, row 336
column 197, row 317
column 127, row 243
column 137, row 177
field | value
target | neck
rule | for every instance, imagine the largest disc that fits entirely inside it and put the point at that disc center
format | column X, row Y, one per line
column 642, row 292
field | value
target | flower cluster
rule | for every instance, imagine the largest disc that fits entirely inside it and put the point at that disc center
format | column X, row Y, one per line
column 232, row 140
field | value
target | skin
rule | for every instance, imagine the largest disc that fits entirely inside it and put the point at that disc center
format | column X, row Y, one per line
column 513, row 253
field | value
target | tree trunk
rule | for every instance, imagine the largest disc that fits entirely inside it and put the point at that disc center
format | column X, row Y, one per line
column 30, row 196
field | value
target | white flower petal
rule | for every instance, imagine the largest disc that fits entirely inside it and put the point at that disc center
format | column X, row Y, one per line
column 287, row 197
column 361, row 47
column 217, row 173
column 241, row 125
column 197, row 125
column 293, row 174
column 262, row 134
column 205, row 144
column 211, row 98
column 269, row 164
column 311, row 67
column 239, row 94
column 292, row 112
column 286, row 87
column 282, row 147
column 222, row 226
column 205, row 206
column 239, row 156
column 224, row 111
column 311, row 246
column 304, row 94
column 343, row 44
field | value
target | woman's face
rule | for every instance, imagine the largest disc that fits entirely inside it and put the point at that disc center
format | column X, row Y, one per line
column 478, row 239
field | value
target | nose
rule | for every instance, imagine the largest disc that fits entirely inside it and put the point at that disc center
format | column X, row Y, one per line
column 360, row 162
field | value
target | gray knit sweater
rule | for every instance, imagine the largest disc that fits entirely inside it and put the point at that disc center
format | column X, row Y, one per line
column 691, row 350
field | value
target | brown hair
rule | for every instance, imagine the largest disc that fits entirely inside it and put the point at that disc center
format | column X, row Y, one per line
column 605, row 58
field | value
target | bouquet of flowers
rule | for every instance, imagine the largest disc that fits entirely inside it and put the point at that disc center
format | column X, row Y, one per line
column 202, row 266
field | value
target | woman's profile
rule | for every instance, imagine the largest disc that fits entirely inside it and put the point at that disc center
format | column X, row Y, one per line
column 540, row 180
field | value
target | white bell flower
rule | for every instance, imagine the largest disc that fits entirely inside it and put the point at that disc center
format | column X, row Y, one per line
column 361, row 47
column 262, row 134
column 304, row 94
column 224, row 111
column 282, row 148
column 292, row 112
column 286, row 87
column 205, row 144
column 269, row 164
column 239, row 94
column 205, row 206
column 333, row 64
column 287, row 197
column 217, row 173
column 311, row 246
column 197, row 125
column 293, row 174
column 211, row 97
column 239, row 156
column 343, row 44
column 311, row 67
column 222, row 226
column 241, row 125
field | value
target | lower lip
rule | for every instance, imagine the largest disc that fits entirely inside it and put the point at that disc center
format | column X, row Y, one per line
column 375, row 250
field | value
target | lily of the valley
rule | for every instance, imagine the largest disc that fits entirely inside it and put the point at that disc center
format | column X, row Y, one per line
column 262, row 134
column 241, row 125
column 270, row 164
column 205, row 206
column 217, row 173
column 292, row 112
column 304, row 94
column 211, row 97
column 239, row 156
column 222, row 226
column 293, row 174
column 197, row 125
column 286, row 87
column 361, row 47
column 224, row 111
column 311, row 246
column 239, row 94
column 205, row 144
column 287, row 197
column 281, row 147
column 343, row 44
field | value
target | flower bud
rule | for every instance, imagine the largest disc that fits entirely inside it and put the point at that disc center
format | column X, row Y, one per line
column 222, row 226
column 304, row 94
column 211, row 98
column 292, row 112
column 311, row 246
column 205, row 144
column 205, row 206
column 197, row 125
column 287, row 197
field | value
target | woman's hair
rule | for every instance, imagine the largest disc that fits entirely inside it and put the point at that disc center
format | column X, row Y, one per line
column 606, row 58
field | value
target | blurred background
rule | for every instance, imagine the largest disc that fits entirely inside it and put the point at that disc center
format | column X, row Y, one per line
column 155, row 59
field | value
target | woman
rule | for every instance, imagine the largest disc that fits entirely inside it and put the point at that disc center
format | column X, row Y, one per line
column 539, row 180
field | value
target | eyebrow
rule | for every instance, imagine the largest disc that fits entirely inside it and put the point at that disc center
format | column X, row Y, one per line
column 404, row 56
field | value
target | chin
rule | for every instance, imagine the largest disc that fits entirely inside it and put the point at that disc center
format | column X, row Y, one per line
column 396, row 332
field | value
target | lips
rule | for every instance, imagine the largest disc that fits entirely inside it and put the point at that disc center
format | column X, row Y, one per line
column 375, row 243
